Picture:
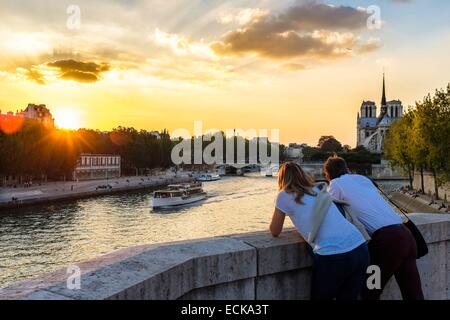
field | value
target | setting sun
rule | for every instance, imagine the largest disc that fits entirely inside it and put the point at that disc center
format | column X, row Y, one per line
column 67, row 118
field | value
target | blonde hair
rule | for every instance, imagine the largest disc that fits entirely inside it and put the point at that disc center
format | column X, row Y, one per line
column 292, row 179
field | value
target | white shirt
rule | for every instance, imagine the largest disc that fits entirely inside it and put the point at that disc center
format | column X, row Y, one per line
column 336, row 235
column 365, row 201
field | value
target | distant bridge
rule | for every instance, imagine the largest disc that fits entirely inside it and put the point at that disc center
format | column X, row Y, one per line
column 239, row 168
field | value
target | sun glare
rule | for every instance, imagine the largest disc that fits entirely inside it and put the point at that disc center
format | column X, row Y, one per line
column 67, row 118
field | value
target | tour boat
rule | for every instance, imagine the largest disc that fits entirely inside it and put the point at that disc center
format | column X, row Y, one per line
column 272, row 171
column 177, row 195
column 208, row 177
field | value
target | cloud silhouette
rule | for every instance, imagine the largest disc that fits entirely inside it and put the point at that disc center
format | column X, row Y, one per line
column 79, row 71
column 35, row 75
column 79, row 76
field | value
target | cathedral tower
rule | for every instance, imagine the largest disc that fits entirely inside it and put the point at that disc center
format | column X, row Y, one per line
column 383, row 97
column 372, row 129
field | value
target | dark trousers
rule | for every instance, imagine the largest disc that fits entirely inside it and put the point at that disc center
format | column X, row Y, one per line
column 339, row 276
column 394, row 250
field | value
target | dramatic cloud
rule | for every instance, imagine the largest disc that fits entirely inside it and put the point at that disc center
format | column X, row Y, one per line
column 228, row 40
column 309, row 30
column 313, row 16
column 35, row 75
column 79, row 76
column 71, row 65
column 79, row 71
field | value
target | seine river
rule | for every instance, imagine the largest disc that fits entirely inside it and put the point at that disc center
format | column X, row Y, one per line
column 41, row 239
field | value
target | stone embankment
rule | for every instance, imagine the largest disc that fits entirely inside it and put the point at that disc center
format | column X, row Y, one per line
column 419, row 203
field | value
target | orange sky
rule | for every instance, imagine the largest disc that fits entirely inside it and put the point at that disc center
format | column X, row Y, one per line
column 231, row 64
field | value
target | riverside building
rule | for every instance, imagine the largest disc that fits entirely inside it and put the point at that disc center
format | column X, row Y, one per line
column 97, row 166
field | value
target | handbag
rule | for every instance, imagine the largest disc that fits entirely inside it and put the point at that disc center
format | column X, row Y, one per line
column 422, row 247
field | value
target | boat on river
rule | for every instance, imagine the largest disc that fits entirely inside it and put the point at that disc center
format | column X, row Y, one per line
column 205, row 177
column 178, row 195
column 272, row 171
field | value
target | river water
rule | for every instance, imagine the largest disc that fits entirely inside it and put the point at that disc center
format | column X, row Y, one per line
column 44, row 238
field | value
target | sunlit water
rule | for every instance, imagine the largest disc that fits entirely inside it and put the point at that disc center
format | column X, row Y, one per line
column 41, row 239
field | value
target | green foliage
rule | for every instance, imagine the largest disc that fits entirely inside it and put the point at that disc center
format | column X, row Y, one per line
column 37, row 151
column 237, row 142
column 329, row 144
column 396, row 147
column 359, row 155
column 421, row 139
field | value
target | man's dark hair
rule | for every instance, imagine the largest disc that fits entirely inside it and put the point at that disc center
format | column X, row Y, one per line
column 335, row 167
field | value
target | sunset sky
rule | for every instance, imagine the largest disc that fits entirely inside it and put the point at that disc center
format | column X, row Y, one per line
column 303, row 67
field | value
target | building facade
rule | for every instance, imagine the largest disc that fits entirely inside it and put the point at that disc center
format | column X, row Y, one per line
column 372, row 128
column 295, row 151
column 97, row 166
column 38, row 112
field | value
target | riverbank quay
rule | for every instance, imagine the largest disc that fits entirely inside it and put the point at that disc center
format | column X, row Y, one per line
column 245, row 266
column 12, row 198
column 416, row 202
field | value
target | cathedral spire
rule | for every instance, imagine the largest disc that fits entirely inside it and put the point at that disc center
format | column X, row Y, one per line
column 383, row 98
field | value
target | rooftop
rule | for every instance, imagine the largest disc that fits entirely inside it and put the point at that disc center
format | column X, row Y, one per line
column 99, row 155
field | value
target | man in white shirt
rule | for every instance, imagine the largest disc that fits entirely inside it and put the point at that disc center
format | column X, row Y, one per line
column 392, row 247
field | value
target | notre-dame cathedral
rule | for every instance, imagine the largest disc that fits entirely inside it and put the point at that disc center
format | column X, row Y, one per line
column 372, row 128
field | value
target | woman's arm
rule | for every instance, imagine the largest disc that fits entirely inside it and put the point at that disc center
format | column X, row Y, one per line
column 276, row 226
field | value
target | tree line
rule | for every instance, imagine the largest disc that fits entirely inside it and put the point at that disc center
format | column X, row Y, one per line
column 359, row 159
column 224, row 149
column 37, row 151
column 34, row 151
column 420, row 141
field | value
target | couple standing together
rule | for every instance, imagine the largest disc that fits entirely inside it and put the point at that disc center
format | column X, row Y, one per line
column 372, row 233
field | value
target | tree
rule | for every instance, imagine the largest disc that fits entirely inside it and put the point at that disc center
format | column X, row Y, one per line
column 395, row 147
column 421, row 139
column 347, row 148
column 433, row 122
column 419, row 147
column 329, row 144
column 38, row 151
